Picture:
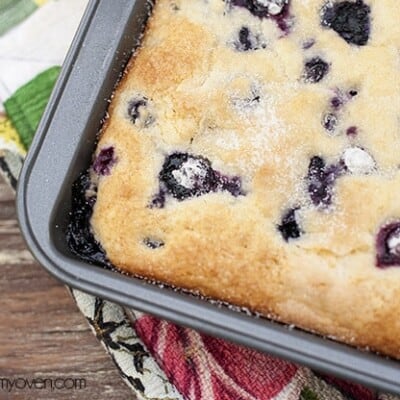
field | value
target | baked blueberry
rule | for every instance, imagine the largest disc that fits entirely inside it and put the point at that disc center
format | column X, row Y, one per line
column 315, row 70
column 317, row 188
column 388, row 245
column 262, row 8
column 80, row 238
column 330, row 122
column 139, row 113
column 104, row 161
column 349, row 19
column 353, row 92
column 184, row 176
column 134, row 107
column 153, row 243
column 289, row 227
column 275, row 9
column 320, row 180
column 247, row 40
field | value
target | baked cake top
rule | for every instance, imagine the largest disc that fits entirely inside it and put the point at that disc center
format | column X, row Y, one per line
column 254, row 147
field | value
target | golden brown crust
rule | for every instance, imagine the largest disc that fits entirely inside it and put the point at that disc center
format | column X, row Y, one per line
column 229, row 247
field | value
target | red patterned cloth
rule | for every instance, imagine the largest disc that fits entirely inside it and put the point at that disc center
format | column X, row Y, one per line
column 206, row 368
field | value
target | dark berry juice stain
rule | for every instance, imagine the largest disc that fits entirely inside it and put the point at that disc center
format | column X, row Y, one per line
column 308, row 44
column 315, row 70
column 104, row 161
column 349, row 19
column 247, row 40
column 321, row 179
column 80, row 238
column 342, row 98
column 336, row 102
column 388, row 246
column 184, row 176
column 352, row 131
column 263, row 10
column 232, row 185
column 284, row 20
column 159, row 199
column 289, row 227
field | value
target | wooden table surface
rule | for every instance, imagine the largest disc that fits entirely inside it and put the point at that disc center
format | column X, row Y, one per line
column 42, row 333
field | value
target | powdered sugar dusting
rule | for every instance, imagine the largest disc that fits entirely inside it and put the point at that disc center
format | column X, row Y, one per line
column 262, row 133
column 190, row 173
column 229, row 141
column 394, row 243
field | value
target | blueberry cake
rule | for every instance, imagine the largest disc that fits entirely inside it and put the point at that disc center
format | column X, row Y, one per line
column 252, row 154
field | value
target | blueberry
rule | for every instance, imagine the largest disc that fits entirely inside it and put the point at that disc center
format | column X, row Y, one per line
column 275, row 9
column 152, row 243
column 318, row 184
column 315, row 70
column 134, row 108
column 388, row 245
column 320, row 180
column 330, row 122
column 289, row 228
column 349, row 19
column 104, row 161
column 184, row 176
column 261, row 8
column 244, row 40
column 79, row 236
column 247, row 41
column 138, row 112
column 353, row 92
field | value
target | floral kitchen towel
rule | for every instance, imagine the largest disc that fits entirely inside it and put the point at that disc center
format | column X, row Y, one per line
column 157, row 359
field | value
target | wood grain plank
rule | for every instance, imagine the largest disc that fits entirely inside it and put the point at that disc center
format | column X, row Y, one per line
column 42, row 333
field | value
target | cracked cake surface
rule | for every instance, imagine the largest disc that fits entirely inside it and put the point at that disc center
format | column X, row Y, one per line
column 252, row 154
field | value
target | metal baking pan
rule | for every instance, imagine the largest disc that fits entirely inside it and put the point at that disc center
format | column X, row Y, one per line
column 63, row 147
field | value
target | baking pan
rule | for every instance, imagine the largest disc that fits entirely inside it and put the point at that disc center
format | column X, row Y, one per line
column 62, row 149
